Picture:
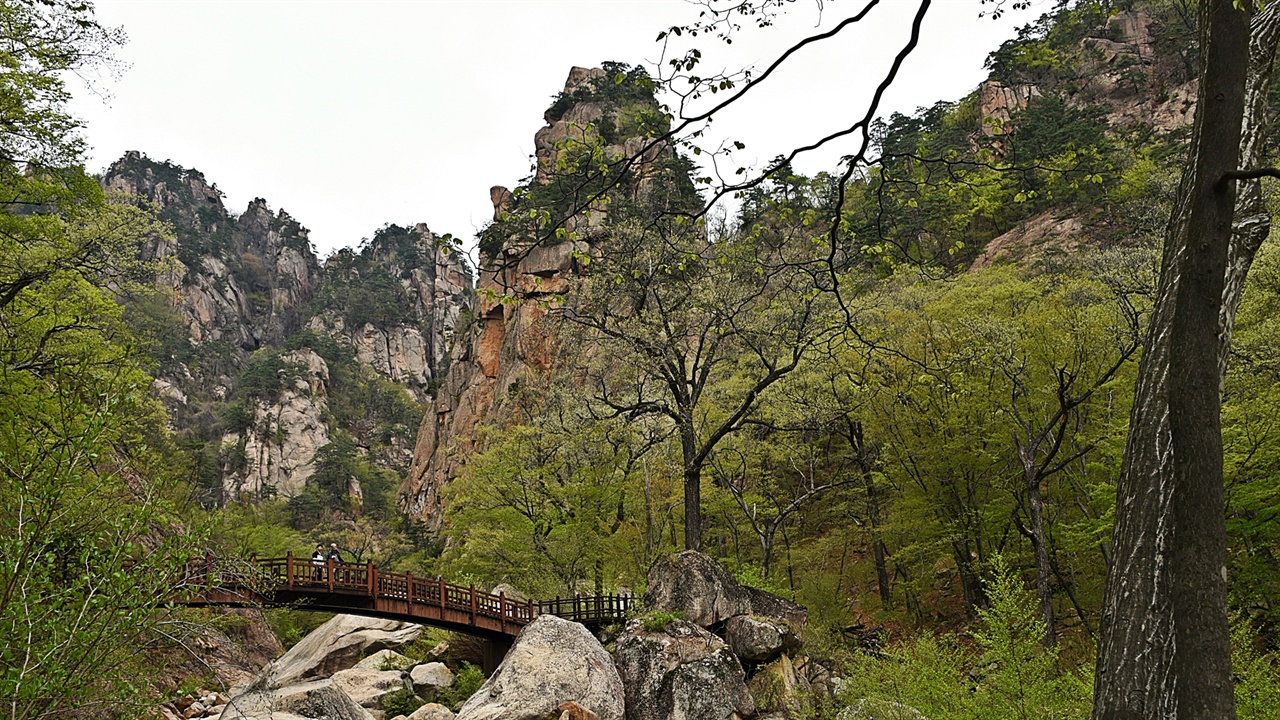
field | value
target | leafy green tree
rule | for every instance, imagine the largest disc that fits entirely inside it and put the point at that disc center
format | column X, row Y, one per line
column 541, row 508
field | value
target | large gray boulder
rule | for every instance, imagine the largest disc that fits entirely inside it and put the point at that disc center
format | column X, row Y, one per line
column 759, row 639
column 680, row 671
column 431, row 678
column 337, row 645
column 553, row 661
column 321, row 699
column 707, row 593
column 368, row 687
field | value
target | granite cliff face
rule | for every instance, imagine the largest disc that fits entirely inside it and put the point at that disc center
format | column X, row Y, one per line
column 251, row 324
column 513, row 341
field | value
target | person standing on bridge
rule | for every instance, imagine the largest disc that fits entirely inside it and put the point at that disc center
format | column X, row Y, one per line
column 334, row 555
column 317, row 559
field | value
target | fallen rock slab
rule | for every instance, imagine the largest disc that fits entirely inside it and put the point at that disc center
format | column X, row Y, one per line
column 337, row 645
column 553, row 661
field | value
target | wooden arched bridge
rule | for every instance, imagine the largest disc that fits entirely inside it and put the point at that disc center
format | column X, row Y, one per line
column 362, row 589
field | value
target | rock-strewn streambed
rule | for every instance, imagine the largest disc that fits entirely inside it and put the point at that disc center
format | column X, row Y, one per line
column 705, row 647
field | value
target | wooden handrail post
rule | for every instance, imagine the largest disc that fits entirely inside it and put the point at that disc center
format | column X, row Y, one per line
column 502, row 610
column 473, row 603
column 288, row 569
column 408, row 589
column 371, row 576
column 528, row 610
column 329, row 562
column 442, row 594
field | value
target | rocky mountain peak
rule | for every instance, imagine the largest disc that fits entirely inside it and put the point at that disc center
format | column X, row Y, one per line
column 527, row 266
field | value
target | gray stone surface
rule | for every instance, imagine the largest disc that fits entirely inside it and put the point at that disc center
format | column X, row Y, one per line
column 337, row 645
column 433, row 676
column 432, row 711
column 369, row 687
column 759, row 639
column 707, row 593
column 317, row 700
column 681, row 671
column 385, row 660
column 553, row 661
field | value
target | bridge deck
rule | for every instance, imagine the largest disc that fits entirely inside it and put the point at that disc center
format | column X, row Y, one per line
column 363, row 589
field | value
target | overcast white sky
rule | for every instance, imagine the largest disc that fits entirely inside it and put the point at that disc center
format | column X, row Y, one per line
column 350, row 115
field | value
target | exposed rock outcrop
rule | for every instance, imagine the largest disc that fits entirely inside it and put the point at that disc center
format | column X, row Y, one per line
column 680, row 671
column 277, row 449
column 318, row 699
column 513, row 339
column 337, row 645
column 248, row 285
column 707, row 594
column 759, row 639
column 553, row 661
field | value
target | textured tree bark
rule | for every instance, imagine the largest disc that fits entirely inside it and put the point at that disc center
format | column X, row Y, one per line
column 1040, row 546
column 1164, row 643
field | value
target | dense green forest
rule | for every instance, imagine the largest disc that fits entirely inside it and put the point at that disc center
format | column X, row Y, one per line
column 902, row 402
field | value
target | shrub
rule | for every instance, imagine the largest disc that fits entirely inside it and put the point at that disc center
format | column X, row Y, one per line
column 658, row 620
column 401, row 702
column 468, row 680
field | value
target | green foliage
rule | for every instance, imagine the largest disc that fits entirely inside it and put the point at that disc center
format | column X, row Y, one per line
column 1019, row 675
column 290, row 626
column 467, row 680
column 656, row 621
column 547, row 508
column 1008, row 675
column 1256, row 672
column 267, row 374
column 400, row 702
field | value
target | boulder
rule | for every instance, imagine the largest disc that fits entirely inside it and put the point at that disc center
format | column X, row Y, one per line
column 432, row 675
column 337, row 645
column 385, row 660
column 318, row 699
column 369, row 687
column 680, row 671
column 759, row 639
column 707, row 594
column 432, row 711
column 778, row 687
column 875, row 709
column 553, row 661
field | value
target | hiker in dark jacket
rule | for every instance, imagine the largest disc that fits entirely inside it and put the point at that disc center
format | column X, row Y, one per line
column 317, row 559
column 334, row 555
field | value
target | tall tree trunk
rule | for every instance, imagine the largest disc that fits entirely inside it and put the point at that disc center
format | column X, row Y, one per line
column 1040, row 547
column 1163, row 645
column 692, row 484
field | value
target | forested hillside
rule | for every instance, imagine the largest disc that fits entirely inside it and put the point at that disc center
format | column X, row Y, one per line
column 900, row 401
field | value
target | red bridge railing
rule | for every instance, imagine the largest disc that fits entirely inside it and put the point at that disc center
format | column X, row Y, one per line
column 363, row 587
